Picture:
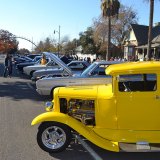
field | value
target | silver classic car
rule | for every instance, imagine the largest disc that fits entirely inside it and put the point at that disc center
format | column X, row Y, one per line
column 51, row 63
column 76, row 67
column 94, row 74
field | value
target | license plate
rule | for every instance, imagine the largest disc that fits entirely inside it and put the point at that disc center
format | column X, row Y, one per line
column 143, row 146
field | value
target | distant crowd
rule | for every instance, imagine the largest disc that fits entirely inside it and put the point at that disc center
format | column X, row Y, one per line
column 68, row 58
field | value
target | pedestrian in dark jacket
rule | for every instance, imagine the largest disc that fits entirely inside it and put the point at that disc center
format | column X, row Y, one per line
column 8, row 66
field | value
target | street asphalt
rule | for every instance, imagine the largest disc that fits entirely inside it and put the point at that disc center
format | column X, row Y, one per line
column 19, row 104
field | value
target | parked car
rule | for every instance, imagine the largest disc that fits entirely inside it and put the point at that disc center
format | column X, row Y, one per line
column 17, row 60
column 50, row 64
column 120, row 116
column 94, row 74
column 34, row 61
column 32, row 56
column 76, row 67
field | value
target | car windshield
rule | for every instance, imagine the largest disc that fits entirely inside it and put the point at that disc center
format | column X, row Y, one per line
column 27, row 58
column 37, row 58
column 38, row 62
column 88, row 69
column 51, row 63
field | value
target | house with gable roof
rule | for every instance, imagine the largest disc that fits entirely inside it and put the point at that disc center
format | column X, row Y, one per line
column 136, row 42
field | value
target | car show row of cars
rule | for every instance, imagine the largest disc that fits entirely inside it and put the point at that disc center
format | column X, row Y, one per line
column 55, row 73
column 116, row 107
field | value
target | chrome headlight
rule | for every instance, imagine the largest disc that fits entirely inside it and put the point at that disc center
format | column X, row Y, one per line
column 49, row 106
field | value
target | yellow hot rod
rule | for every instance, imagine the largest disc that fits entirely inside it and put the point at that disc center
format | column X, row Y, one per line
column 112, row 116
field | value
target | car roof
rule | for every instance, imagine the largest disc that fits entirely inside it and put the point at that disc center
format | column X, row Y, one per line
column 108, row 62
column 76, row 61
column 133, row 67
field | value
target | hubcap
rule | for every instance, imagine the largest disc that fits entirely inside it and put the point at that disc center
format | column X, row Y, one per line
column 53, row 137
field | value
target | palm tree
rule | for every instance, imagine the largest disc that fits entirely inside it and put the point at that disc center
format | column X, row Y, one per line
column 150, row 29
column 109, row 8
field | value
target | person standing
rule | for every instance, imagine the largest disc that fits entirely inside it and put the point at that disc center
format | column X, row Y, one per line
column 8, row 66
column 43, row 60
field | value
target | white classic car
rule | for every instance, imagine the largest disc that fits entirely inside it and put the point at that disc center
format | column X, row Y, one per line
column 94, row 74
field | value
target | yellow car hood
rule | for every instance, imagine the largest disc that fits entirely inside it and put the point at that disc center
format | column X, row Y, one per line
column 82, row 91
column 78, row 91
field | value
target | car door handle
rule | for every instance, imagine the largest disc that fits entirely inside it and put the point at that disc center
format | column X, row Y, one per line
column 157, row 97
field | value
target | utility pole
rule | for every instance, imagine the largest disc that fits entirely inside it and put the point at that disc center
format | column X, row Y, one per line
column 59, row 38
column 32, row 44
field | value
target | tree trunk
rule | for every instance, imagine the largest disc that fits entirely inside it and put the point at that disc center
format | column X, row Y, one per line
column 149, row 54
column 108, row 55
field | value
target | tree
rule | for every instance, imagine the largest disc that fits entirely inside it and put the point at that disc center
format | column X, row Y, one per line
column 50, row 45
column 45, row 46
column 109, row 8
column 70, row 46
column 87, row 42
column 23, row 51
column 8, row 42
column 40, row 47
column 120, row 28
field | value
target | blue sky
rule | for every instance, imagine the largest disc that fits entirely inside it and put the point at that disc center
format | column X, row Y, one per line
column 37, row 19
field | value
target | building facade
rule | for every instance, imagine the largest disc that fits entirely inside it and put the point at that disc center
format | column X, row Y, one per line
column 135, row 43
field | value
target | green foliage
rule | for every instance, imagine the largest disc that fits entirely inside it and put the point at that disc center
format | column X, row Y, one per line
column 110, row 7
column 70, row 46
column 87, row 42
column 46, row 46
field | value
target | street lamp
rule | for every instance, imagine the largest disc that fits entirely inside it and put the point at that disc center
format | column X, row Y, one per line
column 59, row 36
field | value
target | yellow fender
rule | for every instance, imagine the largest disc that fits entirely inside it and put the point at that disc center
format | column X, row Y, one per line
column 87, row 132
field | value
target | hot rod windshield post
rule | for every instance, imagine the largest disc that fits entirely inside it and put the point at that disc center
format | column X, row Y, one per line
column 114, row 84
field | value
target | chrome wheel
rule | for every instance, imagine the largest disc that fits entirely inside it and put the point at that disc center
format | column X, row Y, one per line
column 53, row 137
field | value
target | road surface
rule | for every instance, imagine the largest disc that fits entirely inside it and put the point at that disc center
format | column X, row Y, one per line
column 19, row 104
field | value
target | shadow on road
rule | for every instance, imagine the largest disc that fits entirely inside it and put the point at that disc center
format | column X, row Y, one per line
column 19, row 90
column 77, row 152
column 18, row 87
column 74, row 152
